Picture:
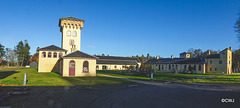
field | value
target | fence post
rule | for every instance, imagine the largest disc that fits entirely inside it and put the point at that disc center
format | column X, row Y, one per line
column 25, row 79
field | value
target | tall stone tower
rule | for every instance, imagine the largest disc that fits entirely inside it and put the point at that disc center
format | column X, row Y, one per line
column 71, row 33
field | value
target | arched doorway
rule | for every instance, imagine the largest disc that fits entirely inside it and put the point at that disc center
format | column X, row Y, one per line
column 72, row 68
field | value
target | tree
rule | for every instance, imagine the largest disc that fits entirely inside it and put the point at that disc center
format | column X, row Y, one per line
column 197, row 53
column 236, row 60
column 19, row 49
column 23, row 53
column 26, row 54
column 11, row 56
column 191, row 52
column 34, row 58
column 237, row 28
column 2, row 52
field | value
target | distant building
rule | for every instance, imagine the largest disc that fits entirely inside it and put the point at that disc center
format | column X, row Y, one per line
column 221, row 62
column 34, row 64
column 117, row 63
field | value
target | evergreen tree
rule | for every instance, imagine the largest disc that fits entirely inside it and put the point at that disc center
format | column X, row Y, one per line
column 2, row 52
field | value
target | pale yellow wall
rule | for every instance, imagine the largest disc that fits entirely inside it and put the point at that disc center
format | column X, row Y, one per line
column 224, row 67
column 72, row 26
column 79, row 67
column 112, row 66
column 180, row 67
column 48, row 64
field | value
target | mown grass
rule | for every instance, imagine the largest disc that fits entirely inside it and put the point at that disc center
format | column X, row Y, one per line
column 53, row 79
column 159, row 76
column 223, row 79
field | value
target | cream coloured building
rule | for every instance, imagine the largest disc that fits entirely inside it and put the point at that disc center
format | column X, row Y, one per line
column 221, row 62
column 68, row 60
column 117, row 63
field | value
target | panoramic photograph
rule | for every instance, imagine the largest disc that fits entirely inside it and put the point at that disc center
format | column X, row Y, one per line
column 120, row 54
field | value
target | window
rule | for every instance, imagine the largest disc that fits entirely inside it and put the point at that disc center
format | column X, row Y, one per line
column 199, row 67
column 176, row 66
column 215, row 69
column 185, row 67
column 210, row 69
column 229, row 62
column 159, row 67
column 210, row 61
column 115, row 66
column 54, row 55
column 162, row 67
column 104, row 67
column 220, row 61
column 71, row 42
column 74, row 33
column 49, row 54
column 68, row 33
column 194, row 67
column 60, row 54
column 43, row 54
column 169, row 67
column 85, row 66
column 123, row 66
column 97, row 67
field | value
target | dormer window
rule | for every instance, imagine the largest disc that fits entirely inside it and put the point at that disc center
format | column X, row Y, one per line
column 74, row 33
column 68, row 33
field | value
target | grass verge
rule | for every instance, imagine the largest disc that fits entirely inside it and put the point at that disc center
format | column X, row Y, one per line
column 159, row 76
column 53, row 79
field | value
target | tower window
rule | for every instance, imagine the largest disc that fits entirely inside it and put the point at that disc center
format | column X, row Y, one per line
column 43, row 54
column 49, row 54
column 210, row 69
column 68, row 33
column 74, row 33
column 54, row 55
column 210, row 61
column 71, row 42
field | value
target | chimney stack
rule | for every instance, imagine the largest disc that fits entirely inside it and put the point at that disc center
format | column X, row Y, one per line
column 172, row 56
column 158, row 57
column 230, row 48
column 208, row 52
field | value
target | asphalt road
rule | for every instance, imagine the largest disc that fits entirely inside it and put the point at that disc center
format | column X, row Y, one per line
column 136, row 95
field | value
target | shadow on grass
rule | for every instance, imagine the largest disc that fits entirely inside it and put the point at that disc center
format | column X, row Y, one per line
column 6, row 74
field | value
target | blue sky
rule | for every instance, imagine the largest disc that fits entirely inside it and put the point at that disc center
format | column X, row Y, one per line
column 124, row 27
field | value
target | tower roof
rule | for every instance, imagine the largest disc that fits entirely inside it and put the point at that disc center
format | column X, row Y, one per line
column 72, row 19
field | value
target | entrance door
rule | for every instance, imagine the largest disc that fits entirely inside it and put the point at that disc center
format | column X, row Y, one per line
column 72, row 68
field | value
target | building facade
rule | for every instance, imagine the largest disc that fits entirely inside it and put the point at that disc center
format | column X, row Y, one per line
column 221, row 62
column 117, row 63
column 67, row 60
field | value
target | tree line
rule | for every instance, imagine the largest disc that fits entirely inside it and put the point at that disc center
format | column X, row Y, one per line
column 17, row 56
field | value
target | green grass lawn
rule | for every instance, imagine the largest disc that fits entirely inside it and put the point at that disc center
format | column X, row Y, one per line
column 223, row 79
column 159, row 76
column 10, row 68
column 53, row 79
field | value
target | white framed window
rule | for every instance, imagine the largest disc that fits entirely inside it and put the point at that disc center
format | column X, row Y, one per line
column 74, row 33
column 68, row 33
column 71, row 42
